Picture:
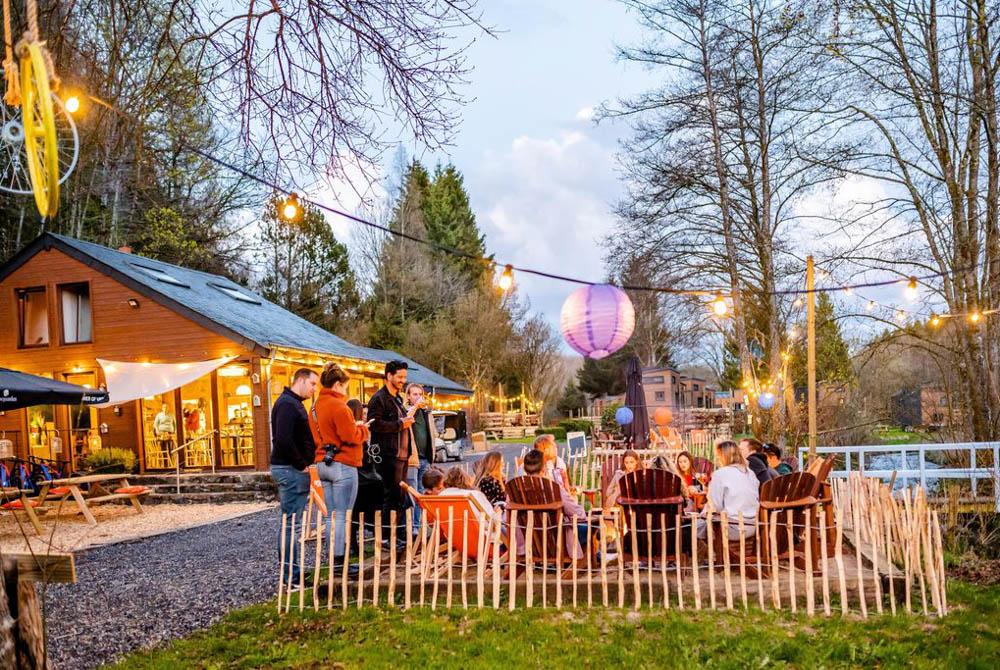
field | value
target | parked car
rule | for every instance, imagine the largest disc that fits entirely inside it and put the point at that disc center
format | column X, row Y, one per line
column 452, row 437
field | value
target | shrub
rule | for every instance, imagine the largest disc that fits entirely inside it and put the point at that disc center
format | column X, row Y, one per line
column 573, row 425
column 110, row 458
column 608, row 423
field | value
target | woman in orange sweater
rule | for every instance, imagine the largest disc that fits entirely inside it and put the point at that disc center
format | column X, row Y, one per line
column 339, row 449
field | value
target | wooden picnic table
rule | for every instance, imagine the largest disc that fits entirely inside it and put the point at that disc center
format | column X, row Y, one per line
column 73, row 484
column 30, row 506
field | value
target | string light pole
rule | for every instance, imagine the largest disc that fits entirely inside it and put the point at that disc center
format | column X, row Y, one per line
column 811, row 352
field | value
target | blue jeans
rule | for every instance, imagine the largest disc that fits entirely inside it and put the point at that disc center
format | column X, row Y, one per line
column 293, row 492
column 414, row 477
column 340, row 490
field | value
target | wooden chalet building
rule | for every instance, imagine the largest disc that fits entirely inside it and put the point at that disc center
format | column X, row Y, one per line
column 66, row 303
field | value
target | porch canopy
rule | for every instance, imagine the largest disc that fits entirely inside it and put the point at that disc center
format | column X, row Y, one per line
column 132, row 381
column 19, row 389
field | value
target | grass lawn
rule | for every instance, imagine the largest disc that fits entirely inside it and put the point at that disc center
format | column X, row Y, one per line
column 257, row 638
column 900, row 436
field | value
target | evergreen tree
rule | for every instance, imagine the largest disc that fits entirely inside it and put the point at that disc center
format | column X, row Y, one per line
column 451, row 223
column 572, row 399
column 605, row 376
column 833, row 361
column 306, row 269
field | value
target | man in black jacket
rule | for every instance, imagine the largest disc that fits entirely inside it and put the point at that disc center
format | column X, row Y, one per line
column 390, row 430
column 753, row 452
column 292, row 452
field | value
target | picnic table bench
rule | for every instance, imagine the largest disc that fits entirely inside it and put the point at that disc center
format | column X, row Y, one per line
column 70, row 486
column 19, row 500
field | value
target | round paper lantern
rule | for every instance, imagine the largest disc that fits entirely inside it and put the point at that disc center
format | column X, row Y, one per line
column 624, row 416
column 597, row 320
column 766, row 400
column 662, row 416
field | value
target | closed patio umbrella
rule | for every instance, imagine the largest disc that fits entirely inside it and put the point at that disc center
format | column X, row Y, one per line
column 19, row 389
column 637, row 432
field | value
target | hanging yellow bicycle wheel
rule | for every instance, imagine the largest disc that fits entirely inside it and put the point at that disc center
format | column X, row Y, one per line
column 40, row 141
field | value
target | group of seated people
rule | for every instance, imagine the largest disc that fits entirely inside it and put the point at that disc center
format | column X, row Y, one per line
column 732, row 487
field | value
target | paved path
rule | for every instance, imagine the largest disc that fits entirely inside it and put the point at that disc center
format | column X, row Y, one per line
column 138, row 594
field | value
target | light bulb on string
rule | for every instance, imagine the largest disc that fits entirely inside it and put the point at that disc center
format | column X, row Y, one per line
column 848, row 290
column 900, row 315
column 911, row 291
column 935, row 320
column 719, row 305
column 870, row 306
column 72, row 104
column 506, row 280
column 799, row 302
column 290, row 208
column 975, row 317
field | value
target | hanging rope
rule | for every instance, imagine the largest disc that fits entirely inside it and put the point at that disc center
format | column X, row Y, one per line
column 32, row 36
column 12, row 93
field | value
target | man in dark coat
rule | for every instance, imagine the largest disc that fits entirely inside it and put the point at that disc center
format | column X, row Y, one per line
column 292, row 451
column 390, row 434
column 753, row 452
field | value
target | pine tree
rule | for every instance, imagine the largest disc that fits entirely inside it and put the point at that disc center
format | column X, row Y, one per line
column 833, row 361
column 306, row 269
column 451, row 223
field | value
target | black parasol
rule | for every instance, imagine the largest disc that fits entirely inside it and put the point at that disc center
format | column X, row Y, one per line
column 19, row 389
column 637, row 432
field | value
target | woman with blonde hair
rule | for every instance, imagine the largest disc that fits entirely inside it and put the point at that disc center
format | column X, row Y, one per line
column 733, row 490
column 489, row 477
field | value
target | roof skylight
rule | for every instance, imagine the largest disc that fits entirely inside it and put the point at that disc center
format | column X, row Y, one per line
column 159, row 275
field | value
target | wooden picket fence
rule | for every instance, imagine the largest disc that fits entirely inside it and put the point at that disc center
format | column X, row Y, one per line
column 885, row 557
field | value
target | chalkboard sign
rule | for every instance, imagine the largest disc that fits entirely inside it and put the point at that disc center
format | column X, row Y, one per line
column 577, row 443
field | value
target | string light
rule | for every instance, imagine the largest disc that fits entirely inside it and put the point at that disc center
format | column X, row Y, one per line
column 72, row 104
column 911, row 291
column 900, row 315
column 506, row 280
column 870, row 306
column 935, row 320
column 975, row 317
column 848, row 290
column 719, row 305
column 291, row 209
column 799, row 302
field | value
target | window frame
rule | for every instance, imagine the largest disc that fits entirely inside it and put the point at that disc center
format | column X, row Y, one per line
column 18, row 301
column 62, row 328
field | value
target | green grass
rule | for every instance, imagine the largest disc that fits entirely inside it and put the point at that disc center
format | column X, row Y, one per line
column 256, row 637
column 900, row 436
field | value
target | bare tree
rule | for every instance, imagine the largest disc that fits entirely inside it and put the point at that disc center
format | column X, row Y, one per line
column 721, row 153
column 929, row 75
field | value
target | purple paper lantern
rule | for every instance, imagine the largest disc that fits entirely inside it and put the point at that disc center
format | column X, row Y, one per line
column 597, row 320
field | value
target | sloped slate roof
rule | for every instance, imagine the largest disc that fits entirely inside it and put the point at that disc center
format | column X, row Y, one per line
column 221, row 305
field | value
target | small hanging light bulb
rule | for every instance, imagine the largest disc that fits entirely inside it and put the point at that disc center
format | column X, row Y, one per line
column 870, row 306
column 975, row 317
column 911, row 291
column 900, row 315
column 848, row 290
column 72, row 104
column 719, row 305
column 506, row 280
column 290, row 208
column 935, row 320
column 799, row 302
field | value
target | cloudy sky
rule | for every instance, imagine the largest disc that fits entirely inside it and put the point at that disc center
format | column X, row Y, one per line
column 542, row 177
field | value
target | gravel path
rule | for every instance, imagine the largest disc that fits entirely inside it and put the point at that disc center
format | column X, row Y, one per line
column 138, row 594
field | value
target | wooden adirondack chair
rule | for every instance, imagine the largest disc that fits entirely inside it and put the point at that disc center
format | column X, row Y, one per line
column 793, row 493
column 651, row 492
column 541, row 496
column 609, row 466
column 457, row 532
column 823, row 492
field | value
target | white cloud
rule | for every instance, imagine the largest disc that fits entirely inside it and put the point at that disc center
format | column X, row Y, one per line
column 545, row 203
column 585, row 114
column 355, row 190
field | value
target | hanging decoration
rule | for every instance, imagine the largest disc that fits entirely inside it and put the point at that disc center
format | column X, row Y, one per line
column 624, row 416
column 597, row 320
column 662, row 416
column 766, row 400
